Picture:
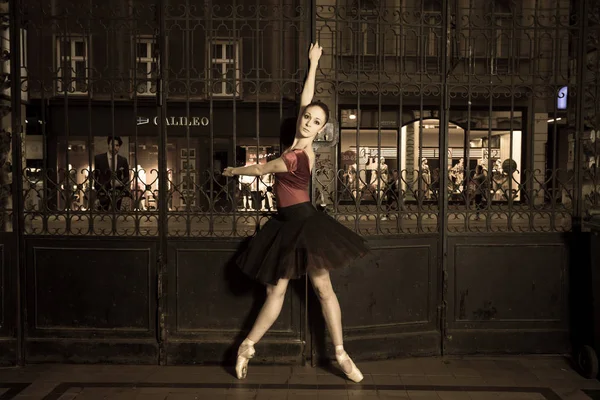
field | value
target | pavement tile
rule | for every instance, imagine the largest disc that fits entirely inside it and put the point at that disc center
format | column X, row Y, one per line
column 301, row 396
column 392, row 379
column 468, row 372
column 415, row 380
column 484, row 395
column 393, row 394
column 332, row 395
column 39, row 388
column 444, row 381
column 443, row 395
column 422, row 395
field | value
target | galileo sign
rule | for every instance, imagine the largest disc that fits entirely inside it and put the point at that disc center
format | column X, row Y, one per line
column 176, row 121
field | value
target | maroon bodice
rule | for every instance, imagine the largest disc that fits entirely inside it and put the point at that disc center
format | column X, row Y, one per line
column 291, row 187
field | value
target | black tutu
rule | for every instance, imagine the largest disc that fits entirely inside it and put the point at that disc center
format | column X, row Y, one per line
column 296, row 240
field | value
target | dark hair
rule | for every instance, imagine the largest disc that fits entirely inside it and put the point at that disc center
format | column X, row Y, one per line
column 479, row 168
column 116, row 138
column 323, row 107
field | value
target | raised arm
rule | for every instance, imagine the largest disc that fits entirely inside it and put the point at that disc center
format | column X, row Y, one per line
column 308, row 92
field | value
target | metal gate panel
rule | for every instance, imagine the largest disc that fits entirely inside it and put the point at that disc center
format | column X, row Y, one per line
column 92, row 301
column 507, row 295
column 8, row 292
column 431, row 89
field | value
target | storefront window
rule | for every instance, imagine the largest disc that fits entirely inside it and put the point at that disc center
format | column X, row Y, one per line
column 367, row 167
column 256, row 193
column 370, row 151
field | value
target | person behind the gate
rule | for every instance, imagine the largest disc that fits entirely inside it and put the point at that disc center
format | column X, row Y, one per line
column 111, row 176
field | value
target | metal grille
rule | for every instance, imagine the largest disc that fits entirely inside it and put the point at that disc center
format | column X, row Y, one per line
column 430, row 89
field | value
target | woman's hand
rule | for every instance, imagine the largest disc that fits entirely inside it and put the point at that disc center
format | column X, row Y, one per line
column 228, row 172
column 315, row 51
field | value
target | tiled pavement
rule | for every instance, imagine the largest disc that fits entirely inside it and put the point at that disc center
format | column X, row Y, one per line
column 449, row 378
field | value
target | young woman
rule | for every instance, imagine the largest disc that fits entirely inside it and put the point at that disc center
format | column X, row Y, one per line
column 299, row 240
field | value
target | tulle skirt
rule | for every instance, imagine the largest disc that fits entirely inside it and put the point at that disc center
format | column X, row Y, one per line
column 297, row 239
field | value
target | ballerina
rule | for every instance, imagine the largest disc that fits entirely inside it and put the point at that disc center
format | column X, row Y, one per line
column 299, row 240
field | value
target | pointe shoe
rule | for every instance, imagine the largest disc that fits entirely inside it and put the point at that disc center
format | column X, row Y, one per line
column 355, row 375
column 241, row 365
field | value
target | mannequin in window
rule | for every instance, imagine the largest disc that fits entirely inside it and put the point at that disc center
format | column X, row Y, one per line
column 483, row 161
column 140, row 188
column 425, row 178
column 369, row 168
column 497, row 177
column 351, row 182
column 457, row 173
column 246, row 191
column 384, row 169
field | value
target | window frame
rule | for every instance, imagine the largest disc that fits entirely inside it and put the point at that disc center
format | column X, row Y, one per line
column 224, row 62
column 151, row 62
column 72, row 39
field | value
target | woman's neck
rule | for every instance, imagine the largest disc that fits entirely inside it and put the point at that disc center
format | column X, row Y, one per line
column 302, row 144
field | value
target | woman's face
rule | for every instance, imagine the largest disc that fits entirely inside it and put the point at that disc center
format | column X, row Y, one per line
column 312, row 122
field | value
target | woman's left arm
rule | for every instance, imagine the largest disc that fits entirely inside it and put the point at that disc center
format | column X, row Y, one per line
column 272, row 167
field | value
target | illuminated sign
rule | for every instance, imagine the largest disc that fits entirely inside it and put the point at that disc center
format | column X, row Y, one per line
column 561, row 100
column 176, row 121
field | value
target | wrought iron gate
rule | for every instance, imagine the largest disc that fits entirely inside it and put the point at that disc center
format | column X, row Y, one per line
column 462, row 145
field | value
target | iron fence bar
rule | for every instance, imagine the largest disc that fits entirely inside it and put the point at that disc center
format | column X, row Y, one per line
column 551, row 183
column 522, row 175
column 17, row 176
column 529, row 177
column 422, row 71
column 580, row 111
column 256, row 181
column 444, row 120
column 312, row 30
column 190, row 183
column 400, row 140
column 490, row 111
column 234, row 183
column 470, row 91
column 136, row 201
column 527, row 174
column 90, row 142
column 66, row 82
column 211, row 100
column 113, row 165
column 357, row 62
column 398, row 195
column 45, row 210
column 334, row 64
column 379, row 193
column 162, row 272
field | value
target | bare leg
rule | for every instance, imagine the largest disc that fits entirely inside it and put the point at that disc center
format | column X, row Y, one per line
column 333, row 318
column 329, row 304
column 266, row 317
column 270, row 310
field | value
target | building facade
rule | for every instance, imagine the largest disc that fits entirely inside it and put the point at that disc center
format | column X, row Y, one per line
column 424, row 95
